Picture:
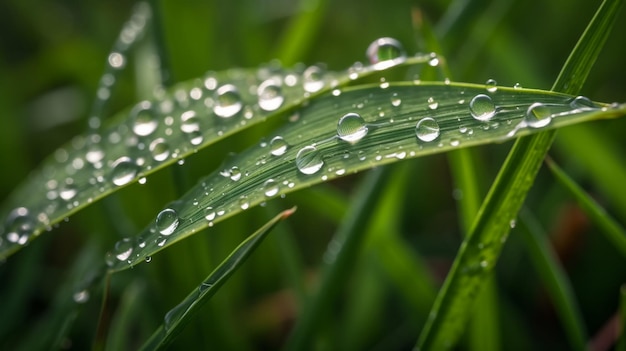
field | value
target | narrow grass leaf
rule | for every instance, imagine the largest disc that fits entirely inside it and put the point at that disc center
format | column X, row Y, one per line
column 621, row 342
column 608, row 226
column 181, row 315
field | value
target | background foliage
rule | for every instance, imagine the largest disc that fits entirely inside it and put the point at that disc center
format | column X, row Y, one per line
column 53, row 54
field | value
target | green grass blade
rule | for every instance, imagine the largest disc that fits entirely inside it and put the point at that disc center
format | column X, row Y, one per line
column 310, row 151
column 554, row 279
column 479, row 252
column 181, row 315
column 613, row 231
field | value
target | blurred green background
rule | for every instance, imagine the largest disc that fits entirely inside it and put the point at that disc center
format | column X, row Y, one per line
column 52, row 54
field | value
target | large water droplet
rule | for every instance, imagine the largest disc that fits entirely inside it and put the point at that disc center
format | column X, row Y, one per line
column 124, row 170
column 278, row 146
column 270, row 95
column 482, row 108
column 144, row 120
column 160, row 149
column 538, row 115
column 228, row 102
column 427, row 129
column 313, row 79
column 308, row 160
column 491, row 85
column 167, row 221
column 385, row 52
column 270, row 188
column 351, row 127
column 123, row 249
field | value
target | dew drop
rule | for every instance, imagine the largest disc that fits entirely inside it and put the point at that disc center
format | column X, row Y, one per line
column 538, row 115
column 427, row 129
column 123, row 249
column 313, row 79
column 582, row 102
column 94, row 154
column 308, row 160
column 144, row 120
column 270, row 188
column 81, row 296
column 395, row 100
column 189, row 122
column 351, row 127
column 278, row 146
column 167, row 221
column 124, row 170
column 482, row 108
column 383, row 53
column 270, row 95
column 67, row 192
column 243, row 203
column 491, row 85
column 432, row 104
column 234, row 173
column 228, row 101
column 209, row 214
column 160, row 149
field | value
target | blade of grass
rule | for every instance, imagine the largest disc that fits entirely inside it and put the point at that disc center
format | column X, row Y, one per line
column 612, row 230
column 621, row 342
column 176, row 319
column 479, row 252
column 554, row 279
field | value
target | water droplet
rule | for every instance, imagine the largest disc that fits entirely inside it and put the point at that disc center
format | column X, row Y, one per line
column 235, row 173
column 313, row 79
column 67, row 192
column 270, row 95
column 491, row 85
column 308, row 160
column 116, row 60
column 385, row 52
column 148, row 259
column 512, row 223
column 123, row 249
column 94, row 154
column 482, row 108
column 351, row 127
column 167, row 221
column 144, row 120
column 228, row 102
column 19, row 225
column 538, row 115
column 427, row 129
column 81, row 296
column 517, row 86
column 160, row 149
column 582, row 102
column 278, row 146
column 243, row 202
column 124, row 170
column 209, row 214
column 189, row 122
column 395, row 100
column 434, row 60
column 432, row 104
column 270, row 188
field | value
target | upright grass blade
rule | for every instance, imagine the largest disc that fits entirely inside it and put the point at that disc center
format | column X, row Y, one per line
column 179, row 316
column 621, row 342
column 554, row 279
column 479, row 252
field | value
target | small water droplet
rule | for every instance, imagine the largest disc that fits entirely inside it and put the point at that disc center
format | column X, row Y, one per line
column 432, row 104
column 116, row 60
column 582, row 102
column 144, row 119
column 512, row 223
column 81, row 296
column 517, row 86
column 427, row 129
column 491, row 85
column 538, row 115
column 124, row 171
column 482, row 108
column 123, row 249
column 383, row 53
column 270, row 188
column 189, row 122
column 434, row 60
column 228, row 102
column 67, row 192
column 308, row 160
column 270, row 95
column 313, row 79
column 395, row 100
column 278, row 146
column 148, row 259
column 167, row 221
column 160, row 149
column 351, row 127
column 234, row 173
column 209, row 214
column 243, row 202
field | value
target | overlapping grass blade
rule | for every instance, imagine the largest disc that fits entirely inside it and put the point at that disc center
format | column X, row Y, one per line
column 479, row 252
column 181, row 315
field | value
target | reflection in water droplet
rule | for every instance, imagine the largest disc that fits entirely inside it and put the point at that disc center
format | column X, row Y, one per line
column 228, row 102
column 482, row 108
column 491, row 85
column 278, row 146
column 427, row 129
column 538, row 115
column 124, row 170
column 123, row 249
column 383, row 53
column 270, row 95
column 160, row 149
column 167, row 221
column 582, row 102
column 313, row 79
column 351, row 127
column 144, row 119
column 308, row 160
column 270, row 188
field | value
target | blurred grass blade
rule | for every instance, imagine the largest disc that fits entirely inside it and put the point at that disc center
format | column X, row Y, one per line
column 479, row 252
column 613, row 231
column 554, row 279
column 621, row 342
column 393, row 123
column 158, row 133
column 182, row 314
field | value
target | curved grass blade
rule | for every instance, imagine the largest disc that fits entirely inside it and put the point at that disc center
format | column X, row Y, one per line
column 363, row 127
column 180, row 315
column 480, row 250
column 608, row 226
column 155, row 134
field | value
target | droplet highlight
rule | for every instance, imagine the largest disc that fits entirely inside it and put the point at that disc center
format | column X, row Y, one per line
column 427, row 129
column 351, row 127
column 167, row 221
column 482, row 108
column 308, row 160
